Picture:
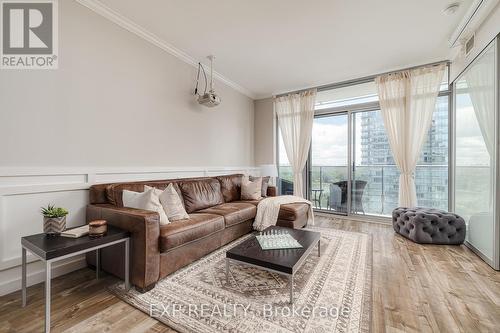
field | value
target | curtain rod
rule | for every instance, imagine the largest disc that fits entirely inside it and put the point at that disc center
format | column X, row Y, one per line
column 360, row 80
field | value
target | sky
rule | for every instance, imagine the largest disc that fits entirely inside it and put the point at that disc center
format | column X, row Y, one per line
column 330, row 136
column 470, row 146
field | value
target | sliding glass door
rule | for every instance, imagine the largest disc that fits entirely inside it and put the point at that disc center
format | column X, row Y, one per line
column 351, row 170
column 375, row 177
column 329, row 163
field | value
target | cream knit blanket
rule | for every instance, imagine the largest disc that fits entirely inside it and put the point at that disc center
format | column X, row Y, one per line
column 268, row 210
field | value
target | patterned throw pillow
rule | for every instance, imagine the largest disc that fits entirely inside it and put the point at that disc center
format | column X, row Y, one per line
column 265, row 184
column 147, row 200
column 251, row 190
column 171, row 202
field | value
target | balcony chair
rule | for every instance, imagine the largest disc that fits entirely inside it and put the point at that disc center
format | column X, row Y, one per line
column 286, row 187
column 337, row 199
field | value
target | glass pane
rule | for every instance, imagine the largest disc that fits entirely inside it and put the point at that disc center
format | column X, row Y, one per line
column 375, row 187
column 355, row 94
column 475, row 151
column 329, row 162
column 375, row 176
column 431, row 175
column 285, row 174
column 444, row 83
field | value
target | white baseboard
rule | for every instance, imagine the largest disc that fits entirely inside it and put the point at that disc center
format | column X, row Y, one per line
column 36, row 273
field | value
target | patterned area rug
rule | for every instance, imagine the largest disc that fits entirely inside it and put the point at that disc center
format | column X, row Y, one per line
column 332, row 292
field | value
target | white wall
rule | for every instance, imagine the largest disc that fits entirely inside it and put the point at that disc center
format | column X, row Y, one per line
column 484, row 34
column 117, row 109
column 117, row 100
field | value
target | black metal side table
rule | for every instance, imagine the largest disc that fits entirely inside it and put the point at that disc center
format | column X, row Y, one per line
column 52, row 249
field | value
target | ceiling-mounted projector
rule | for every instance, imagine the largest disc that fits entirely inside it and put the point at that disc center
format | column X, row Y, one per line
column 210, row 98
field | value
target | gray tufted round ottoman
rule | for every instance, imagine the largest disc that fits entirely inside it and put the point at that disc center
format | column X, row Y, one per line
column 429, row 226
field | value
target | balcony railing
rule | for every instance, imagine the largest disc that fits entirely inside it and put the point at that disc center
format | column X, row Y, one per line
column 374, row 187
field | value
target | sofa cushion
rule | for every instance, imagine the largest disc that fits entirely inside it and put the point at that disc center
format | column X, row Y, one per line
column 293, row 211
column 231, row 187
column 253, row 202
column 182, row 232
column 233, row 212
column 201, row 194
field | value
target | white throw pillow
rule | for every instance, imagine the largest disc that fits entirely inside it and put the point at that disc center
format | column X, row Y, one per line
column 251, row 190
column 171, row 202
column 147, row 200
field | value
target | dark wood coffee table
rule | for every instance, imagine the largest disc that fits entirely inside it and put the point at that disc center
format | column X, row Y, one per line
column 283, row 261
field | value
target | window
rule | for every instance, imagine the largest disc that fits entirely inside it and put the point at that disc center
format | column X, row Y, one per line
column 373, row 163
column 349, row 120
column 432, row 167
column 329, row 162
column 375, row 176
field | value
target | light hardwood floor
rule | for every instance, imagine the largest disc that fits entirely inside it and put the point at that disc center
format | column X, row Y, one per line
column 416, row 288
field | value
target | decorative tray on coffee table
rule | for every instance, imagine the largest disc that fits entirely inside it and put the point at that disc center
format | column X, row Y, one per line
column 277, row 239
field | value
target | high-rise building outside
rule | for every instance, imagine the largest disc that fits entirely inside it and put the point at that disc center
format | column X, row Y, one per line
column 377, row 168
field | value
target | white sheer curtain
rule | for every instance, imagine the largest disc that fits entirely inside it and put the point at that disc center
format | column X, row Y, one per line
column 295, row 118
column 480, row 80
column 407, row 101
column 481, row 83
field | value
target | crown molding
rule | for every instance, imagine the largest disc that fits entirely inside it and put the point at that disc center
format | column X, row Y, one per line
column 124, row 22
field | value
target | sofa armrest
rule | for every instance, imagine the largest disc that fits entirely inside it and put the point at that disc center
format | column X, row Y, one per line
column 271, row 191
column 144, row 227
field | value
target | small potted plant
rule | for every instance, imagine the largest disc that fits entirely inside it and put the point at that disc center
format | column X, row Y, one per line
column 54, row 220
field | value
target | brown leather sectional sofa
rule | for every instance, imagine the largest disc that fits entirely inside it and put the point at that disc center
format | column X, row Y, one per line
column 217, row 216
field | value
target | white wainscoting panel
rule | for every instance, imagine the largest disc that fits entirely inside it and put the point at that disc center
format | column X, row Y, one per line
column 23, row 191
column 123, row 177
column 6, row 181
column 21, row 216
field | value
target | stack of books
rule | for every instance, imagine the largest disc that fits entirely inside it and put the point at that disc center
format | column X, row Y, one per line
column 76, row 232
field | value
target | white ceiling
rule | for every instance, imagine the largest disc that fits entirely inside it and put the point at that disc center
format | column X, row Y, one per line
column 275, row 46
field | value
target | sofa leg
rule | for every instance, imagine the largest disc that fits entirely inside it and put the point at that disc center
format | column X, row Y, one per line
column 145, row 289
